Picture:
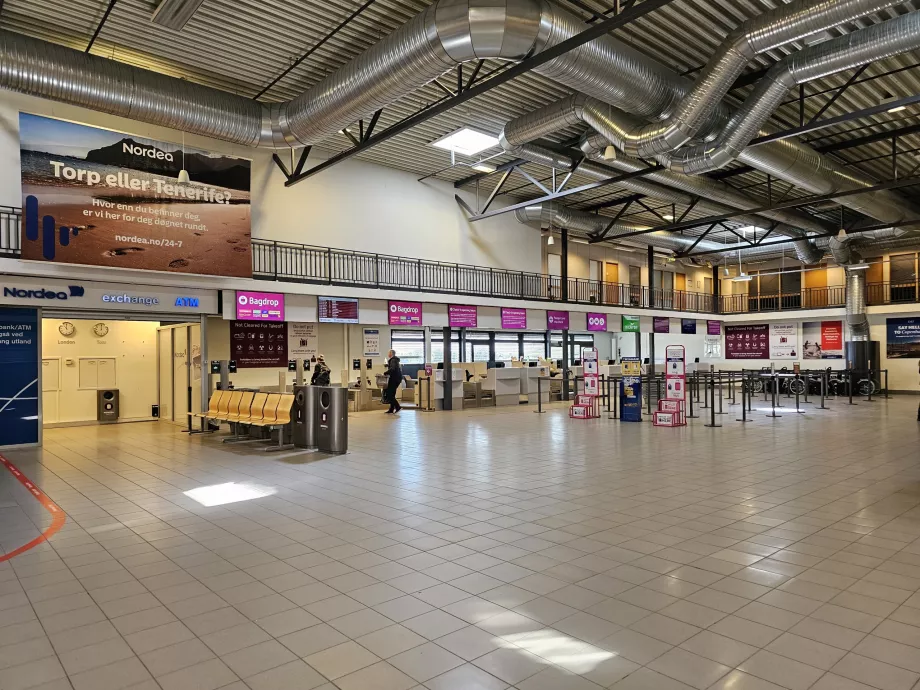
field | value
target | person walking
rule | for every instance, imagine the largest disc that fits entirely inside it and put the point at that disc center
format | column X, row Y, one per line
column 320, row 372
column 394, row 378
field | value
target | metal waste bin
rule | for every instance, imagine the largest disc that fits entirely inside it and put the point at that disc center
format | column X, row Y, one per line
column 331, row 419
column 107, row 405
column 303, row 417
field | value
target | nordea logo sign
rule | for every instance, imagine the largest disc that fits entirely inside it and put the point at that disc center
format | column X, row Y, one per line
column 43, row 293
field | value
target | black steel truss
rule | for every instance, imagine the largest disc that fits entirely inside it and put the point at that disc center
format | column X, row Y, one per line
column 499, row 76
column 105, row 16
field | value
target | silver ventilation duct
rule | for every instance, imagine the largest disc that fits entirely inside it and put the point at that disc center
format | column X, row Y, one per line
column 857, row 320
column 882, row 40
column 767, row 31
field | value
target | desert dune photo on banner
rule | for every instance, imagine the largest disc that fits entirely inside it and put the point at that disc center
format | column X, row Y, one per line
column 99, row 197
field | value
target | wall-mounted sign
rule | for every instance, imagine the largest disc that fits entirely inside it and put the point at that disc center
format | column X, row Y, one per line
column 688, row 326
column 747, row 342
column 713, row 328
column 405, row 313
column 302, row 341
column 255, row 344
column 784, row 341
column 98, row 197
column 19, row 361
column 596, row 322
column 712, row 347
column 661, row 324
column 337, row 310
column 259, row 306
column 371, row 342
column 462, row 316
column 903, row 338
column 558, row 320
column 514, row 318
column 630, row 324
column 822, row 340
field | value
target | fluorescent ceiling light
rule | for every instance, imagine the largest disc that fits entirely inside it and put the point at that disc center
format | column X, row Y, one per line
column 466, row 141
column 668, row 216
column 892, row 99
column 743, row 278
column 175, row 14
column 220, row 494
column 857, row 267
column 898, row 109
column 483, row 167
column 751, row 228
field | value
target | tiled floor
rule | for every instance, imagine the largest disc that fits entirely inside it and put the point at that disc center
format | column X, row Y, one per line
column 474, row 551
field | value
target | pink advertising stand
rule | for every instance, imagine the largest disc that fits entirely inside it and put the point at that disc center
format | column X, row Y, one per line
column 585, row 405
column 671, row 410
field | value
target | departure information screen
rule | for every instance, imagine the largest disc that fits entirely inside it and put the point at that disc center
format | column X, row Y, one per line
column 337, row 310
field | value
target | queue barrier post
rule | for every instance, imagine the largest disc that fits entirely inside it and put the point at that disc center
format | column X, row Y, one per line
column 850, row 387
column 823, row 390
column 712, row 408
column 773, row 389
column 798, row 411
column 744, row 395
column 870, row 387
column 539, row 409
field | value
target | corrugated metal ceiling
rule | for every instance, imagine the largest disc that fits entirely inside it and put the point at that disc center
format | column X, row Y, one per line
column 242, row 45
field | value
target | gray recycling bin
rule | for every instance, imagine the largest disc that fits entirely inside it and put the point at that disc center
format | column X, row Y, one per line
column 331, row 419
column 303, row 417
column 107, row 405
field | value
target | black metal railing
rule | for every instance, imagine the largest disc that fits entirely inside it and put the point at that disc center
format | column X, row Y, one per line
column 10, row 219
column 807, row 298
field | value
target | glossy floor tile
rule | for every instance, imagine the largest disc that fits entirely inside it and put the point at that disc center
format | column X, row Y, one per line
column 479, row 550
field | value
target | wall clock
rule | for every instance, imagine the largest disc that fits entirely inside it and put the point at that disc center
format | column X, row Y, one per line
column 101, row 330
column 67, row 329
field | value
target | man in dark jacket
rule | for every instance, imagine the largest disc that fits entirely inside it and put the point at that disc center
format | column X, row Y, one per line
column 394, row 378
column 320, row 372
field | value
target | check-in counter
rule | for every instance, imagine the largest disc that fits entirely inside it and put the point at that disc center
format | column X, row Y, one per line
column 437, row 390
column 529, row 376
column 505, row 383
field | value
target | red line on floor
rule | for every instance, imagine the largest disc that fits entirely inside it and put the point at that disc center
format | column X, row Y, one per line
column 57, row 521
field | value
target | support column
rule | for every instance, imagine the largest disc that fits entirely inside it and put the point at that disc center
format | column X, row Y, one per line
column 448, row 403
column 565, row 364
column 565, row 268
column 651, row 276
column 651, row 303
column 716, row 291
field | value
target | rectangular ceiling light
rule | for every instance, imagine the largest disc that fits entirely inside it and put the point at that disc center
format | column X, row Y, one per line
column 466, row 141
column 175, row 14
column 483, row 167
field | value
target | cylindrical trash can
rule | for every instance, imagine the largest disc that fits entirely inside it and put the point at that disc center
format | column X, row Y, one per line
column 107, row 405
column 303, row 417
column 332, row 419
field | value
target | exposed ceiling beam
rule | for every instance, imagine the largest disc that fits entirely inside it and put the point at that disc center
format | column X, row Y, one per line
column 105, row 16
column 868, row 139
column 523, row 67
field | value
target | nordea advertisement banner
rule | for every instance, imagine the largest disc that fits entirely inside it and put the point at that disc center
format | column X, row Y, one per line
column 98, row 197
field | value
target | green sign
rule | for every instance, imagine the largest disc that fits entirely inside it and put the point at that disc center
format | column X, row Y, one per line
column 630, row 324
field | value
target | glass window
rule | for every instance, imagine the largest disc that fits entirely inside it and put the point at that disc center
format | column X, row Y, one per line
column 408, row 345
column 902, row 269
column 437, row 346
column 534, row 346
column 507, row 346
column 577, row 341
column 791, row 281
column 477, row 347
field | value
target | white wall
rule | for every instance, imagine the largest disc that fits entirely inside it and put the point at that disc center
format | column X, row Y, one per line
column 354, row 205
column 133, row 345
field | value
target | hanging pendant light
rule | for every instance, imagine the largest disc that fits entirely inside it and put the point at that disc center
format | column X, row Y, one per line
column 183, row 174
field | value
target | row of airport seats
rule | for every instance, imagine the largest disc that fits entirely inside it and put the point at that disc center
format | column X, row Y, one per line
column 248, row 408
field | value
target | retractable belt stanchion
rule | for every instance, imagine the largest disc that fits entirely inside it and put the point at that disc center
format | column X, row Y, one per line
column 744, row 395
column 705, row 405
column 823, row 390
column 712, row 408
column 721, row 396
column 774, row 388
column 870, row 387
column 539, row 409
column 692, row 415
column 885, row 371
column 851, row 387
column 807, row 381
column 797, row 396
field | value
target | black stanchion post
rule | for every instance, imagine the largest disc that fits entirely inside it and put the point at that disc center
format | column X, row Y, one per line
column 712, row 394
column 691, row 415
column 823, row 390
column 851, row 387
column 797, row 379
column 744, row 395
column 870, row 387
column 774, row 388
column 885, row 371
column 539, row 409
column 721, row 397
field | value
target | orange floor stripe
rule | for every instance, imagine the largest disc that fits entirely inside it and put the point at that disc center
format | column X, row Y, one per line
column 58, row 518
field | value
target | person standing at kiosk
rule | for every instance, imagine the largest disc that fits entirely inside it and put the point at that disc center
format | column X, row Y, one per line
column 394, row 378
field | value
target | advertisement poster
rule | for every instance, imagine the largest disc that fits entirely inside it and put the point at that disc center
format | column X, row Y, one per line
column 255, row 344
column 661, row 324
column 713, row 328
column 747, row 342
column 629, row 324
column 822, row 340
column 19, row 359
column 98, row 197
column 371, row 342
column 712, row 347
column 303, row 342
column 557, row 320
column 462, row 316
column 784, row 341
column 688, row 326
column 596, row 322
column 514, row 318
column 903, row 338
column 405, row 313
column 630, row 390
column 259, row 306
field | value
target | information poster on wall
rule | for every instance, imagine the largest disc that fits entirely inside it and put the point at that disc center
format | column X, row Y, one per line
column 713, row 327
column 405, row 313
column 19, row 360
column 558, row 320
column 513, row 318
column 822, row 340
column 303, row 342
column 903, row 338
column 371, row 342
column 747, row 342
column 784, row 341
column 462, row 316
column 99, row 197
column 661, row 324
column 688, row 326
column 596, row 322
column 629, row 324
column 255, row 344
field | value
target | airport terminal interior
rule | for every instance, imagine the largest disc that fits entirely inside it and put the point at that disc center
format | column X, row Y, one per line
column 459, row 345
